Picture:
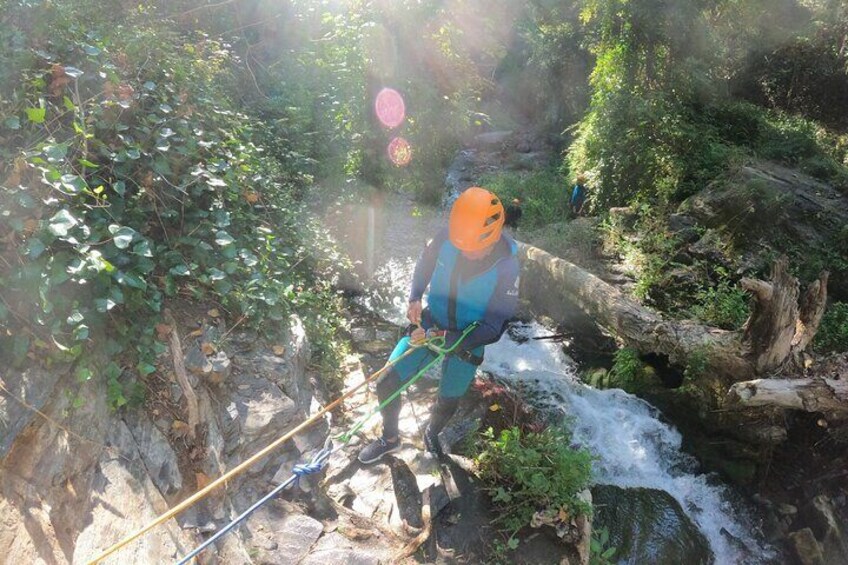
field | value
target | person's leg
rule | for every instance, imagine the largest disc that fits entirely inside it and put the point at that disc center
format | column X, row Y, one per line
column 457, row 375
column 387, row 384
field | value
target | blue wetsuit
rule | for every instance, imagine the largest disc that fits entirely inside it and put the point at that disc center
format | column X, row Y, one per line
column 461, row 292
column 578, row 197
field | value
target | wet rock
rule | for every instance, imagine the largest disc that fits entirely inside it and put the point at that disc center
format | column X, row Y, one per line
column 806, row 548
column 828, row 528
column 648, row 526
column 787, row 510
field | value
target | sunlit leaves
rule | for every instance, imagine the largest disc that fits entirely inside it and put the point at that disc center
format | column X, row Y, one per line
column 36, row 115
column 61, row 223
column 122, row 235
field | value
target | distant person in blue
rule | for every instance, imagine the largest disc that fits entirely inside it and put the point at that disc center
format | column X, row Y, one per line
column 578, row 195
column 472, row 270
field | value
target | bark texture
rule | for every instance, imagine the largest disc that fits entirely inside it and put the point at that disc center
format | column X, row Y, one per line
column 780, row 328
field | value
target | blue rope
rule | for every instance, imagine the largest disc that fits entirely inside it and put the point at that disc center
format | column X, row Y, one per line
column 318, row 462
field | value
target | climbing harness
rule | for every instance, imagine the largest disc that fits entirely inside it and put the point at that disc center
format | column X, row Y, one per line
column 436, row 344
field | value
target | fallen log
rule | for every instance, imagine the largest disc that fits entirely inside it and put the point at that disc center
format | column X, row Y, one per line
column 779, row 329
column 551, row 280
column 810, row 395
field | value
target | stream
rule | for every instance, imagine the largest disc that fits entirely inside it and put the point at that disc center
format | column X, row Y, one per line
column 633, row 445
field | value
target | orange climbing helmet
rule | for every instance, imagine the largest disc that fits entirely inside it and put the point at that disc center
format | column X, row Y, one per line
column 476, row 220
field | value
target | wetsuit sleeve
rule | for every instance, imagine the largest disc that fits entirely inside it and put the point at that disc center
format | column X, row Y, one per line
column 502, row 306
column 425, row 266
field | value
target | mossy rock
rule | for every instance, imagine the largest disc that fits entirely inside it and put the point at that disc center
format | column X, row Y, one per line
column 648, row 526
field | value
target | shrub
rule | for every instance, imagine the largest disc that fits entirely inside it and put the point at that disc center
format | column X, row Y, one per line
column 833, row 330
column 723, row 305
column 627, row 369
column 577, row 240
column 533, row 472
column 129, row 183
column 544, row 195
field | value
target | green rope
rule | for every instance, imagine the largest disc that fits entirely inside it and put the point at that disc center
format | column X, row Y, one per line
column 436, row 345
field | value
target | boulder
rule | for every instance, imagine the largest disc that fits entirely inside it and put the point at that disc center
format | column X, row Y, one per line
column 806, row 548
column 493, row 140
column 648, row 526
column 828, row 528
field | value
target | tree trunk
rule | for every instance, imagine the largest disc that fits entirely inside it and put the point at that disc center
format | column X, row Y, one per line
column 550, row 280
column 779, row 327
column 778, row 330
column 810, row 395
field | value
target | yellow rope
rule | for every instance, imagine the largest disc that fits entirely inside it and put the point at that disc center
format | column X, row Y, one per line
column 242, row 466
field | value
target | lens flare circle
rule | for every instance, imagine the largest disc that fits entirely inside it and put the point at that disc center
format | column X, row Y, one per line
column 390, row 108
column 400, row 152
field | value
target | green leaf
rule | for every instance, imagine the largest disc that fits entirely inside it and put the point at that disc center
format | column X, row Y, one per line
column 215, row 182
column 216, row 274
column 149, row 85
column 75, row 318
column 122, row 236
column 69, row 104
column 73, row 72
column 36, row 115
column 61, row 222
column 91, row 50
column 81, row 332
column 161, row 166
column 12, row 123
column 73, row 183
column 20, row 347
column 166, row 109
column 104, row 304
column 35, row 247
column 83, row 374
column 512, row 543
column 130, row 280
column 222, row 238
column 120, row 187
column 89, row 164
column 180, row 270
column 142, row 248
column 55, row 153
column 145, row 369
column 133, row 153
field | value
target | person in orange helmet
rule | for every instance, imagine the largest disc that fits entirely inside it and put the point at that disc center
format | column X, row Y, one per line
column 472, row 271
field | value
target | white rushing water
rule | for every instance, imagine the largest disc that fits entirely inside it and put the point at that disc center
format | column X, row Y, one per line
column 634, row 447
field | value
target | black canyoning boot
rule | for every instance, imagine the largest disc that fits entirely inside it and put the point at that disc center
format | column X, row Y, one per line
column 376, row 450
column 431, row 442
